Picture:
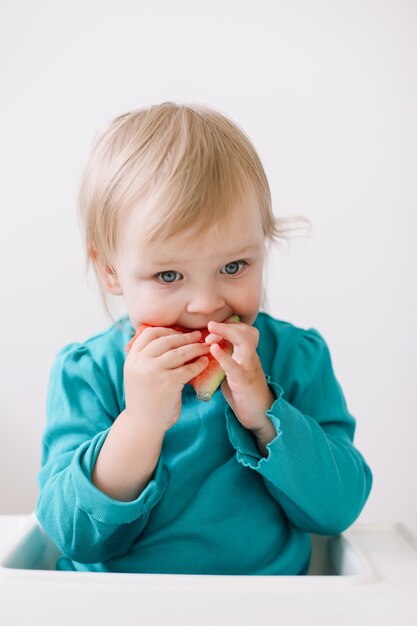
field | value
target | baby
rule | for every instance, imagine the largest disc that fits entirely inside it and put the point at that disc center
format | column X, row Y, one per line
column 138, row 475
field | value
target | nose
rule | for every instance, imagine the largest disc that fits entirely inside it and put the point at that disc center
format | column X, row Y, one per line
column 205, row 302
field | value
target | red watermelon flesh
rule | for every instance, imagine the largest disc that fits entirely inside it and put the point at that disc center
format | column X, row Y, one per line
column 206, row 383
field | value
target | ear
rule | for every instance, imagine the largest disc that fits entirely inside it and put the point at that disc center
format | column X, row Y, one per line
column 106, row 273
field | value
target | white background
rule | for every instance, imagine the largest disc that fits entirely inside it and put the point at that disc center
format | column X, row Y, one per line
column 326, row 90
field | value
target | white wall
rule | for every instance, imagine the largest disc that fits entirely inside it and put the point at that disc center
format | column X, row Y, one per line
column 328, row 93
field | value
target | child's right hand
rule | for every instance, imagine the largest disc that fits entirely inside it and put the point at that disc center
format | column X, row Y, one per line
column 156, row 369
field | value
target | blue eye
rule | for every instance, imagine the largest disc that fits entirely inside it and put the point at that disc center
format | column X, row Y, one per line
column 168, row 277
column 233, row 268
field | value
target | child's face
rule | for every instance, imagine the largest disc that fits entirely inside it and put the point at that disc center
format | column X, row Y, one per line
column 190, row 281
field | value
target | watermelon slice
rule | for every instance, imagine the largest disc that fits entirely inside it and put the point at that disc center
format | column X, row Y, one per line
column 210, row 379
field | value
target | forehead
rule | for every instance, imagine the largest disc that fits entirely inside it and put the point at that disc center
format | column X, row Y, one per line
column 240, row 231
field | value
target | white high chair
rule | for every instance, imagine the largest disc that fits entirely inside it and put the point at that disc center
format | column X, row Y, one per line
column 367, row 575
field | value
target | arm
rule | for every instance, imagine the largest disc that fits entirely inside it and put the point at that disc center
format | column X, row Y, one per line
column 82, row 519
column 265, row 435
column 311, row 468
column 154, row 376
column 128, row 458
column 314, row 472
column 102, row 476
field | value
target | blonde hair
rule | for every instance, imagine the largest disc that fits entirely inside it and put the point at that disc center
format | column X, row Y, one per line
column 189, row 162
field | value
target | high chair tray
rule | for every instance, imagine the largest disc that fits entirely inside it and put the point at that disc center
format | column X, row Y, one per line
column 366, row 575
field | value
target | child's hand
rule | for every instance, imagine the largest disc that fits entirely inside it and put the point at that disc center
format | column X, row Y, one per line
column 155, row 373
column 245, row 387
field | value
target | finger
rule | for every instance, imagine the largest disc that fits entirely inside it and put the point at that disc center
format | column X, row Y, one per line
column 225, row 360
column 244, row 337
column 157, row 344
column 210, row 339
column 191, row 370
column 184, row 354
column 143, row 337
column 166, row 344
column 232, row 332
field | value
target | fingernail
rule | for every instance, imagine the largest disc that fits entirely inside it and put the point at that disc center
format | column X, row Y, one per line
column 211, row 338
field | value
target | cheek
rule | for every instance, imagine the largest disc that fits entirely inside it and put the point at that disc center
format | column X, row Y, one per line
column 148, row 305
column 250, row 300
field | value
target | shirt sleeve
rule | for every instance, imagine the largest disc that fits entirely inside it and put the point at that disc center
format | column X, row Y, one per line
column 87, row 525
column 312, row 468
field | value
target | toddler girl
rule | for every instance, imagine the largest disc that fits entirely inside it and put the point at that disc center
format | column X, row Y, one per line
column 137, row 474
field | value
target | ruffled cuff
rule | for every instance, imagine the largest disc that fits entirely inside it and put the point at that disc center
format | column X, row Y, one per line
column 242, row 439
column 99, row 505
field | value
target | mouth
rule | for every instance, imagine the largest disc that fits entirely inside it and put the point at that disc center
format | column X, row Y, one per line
column 204, row 327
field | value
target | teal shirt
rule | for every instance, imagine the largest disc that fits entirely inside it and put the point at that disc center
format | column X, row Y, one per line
column 214, row 505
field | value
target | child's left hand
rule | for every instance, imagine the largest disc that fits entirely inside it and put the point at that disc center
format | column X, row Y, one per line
column 245, row 387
